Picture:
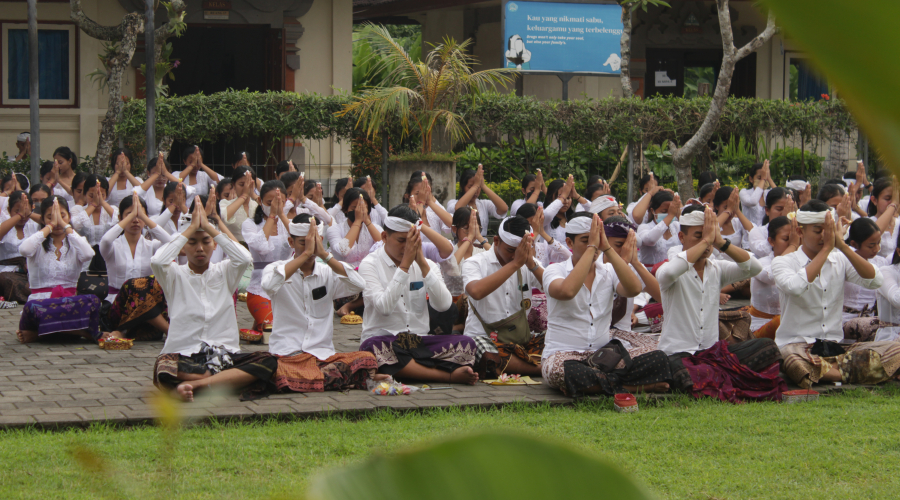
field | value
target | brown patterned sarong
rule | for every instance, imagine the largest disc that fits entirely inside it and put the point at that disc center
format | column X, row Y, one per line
column 259, row 364
column 494, row 362
column 641, row 343
column 864, row 329
column 340, row 372
column 863, row 363
column 139, row 300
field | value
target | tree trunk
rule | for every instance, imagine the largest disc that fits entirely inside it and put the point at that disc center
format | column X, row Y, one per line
column 683, row 157
column 114, row 107
column 838, row 152
column 165, row 145
column 625, row 42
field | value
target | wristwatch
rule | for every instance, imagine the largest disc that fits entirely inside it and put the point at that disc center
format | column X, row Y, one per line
column 725, row 245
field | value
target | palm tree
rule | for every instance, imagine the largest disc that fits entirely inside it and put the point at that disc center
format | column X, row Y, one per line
column 420, row 94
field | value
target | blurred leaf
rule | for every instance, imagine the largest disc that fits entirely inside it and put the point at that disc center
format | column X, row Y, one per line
column 480, row 466
column 854, row 44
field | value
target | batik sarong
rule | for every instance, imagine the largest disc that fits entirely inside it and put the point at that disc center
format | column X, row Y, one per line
column 862, row 363
column 444, row 352
column 569, row 372
column 139, row 300
column 303, row 372
column 64, row 314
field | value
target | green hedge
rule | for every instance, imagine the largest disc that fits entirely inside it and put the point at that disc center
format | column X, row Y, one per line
column 199, row 117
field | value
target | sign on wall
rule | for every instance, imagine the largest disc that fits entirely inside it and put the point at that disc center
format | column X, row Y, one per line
column 562, row 37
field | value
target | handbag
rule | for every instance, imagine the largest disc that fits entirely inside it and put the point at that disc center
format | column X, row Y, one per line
column 514, row 329
column 93, row 284
column 608, row 357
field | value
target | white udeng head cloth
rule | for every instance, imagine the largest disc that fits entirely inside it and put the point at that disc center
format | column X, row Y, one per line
column 398, row 224
column 804, row 217
column 24, row 136
column 579, row 225
column 695, row 218
column 797, row 185
column 508, row 238
column 300, row 230
column 602, row 203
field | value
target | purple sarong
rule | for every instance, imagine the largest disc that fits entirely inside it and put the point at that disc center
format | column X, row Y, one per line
column 444, row 352
column 64, row 314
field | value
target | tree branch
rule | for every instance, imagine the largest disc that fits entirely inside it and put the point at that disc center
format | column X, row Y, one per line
column 94, row 30
column 759, row 40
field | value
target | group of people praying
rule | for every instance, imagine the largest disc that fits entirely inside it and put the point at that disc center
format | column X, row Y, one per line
column 591, row 295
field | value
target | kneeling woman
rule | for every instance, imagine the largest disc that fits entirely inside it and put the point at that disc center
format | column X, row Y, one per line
column 266, row 235
column 15, row 228
column 581, row 292
column 302, row 291
column 138, row 306
column 55, row 256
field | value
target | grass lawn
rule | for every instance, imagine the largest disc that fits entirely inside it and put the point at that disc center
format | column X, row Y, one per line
column 846, row 445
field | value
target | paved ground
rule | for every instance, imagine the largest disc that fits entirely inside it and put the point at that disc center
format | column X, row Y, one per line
column 75, row 383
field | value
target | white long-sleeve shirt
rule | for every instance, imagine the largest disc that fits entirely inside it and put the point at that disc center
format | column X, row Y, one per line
column 9, row 244
column 303, row 307
column 813, row 310
column 84, row 224
column 486, row 210
column 201, row 308
column 121, row 265
column 340, row 245
column 759, row 242
column 236, row 221
column 116, row 195
column 501, row 303
column 889, row 295
column 46, row 271
column 859, row 297
column 582, row 323
column 691, row 321
column 654, row 246
column 201, row 187
column 629, row 211
column 154, row 205
column 888, row 239
column 395, row 301
column 764, row 293
column 264, row 251
column 625, row 322
column 750, row 204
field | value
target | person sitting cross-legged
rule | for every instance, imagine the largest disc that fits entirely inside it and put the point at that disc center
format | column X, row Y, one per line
column 579, row 311
column 499, row 284
column 400, row 285
column 689, row 284
column 810, row 283
column 302, row 291
column 202, row 349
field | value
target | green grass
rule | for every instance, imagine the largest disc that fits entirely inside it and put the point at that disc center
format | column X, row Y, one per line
column 845, row 445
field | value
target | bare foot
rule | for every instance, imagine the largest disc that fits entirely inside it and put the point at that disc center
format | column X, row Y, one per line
column 723, row 298
column 344, row 310
column 657, row 387
column 464, row 375
column 185, row 391
column 26, row 336
column 380, row 376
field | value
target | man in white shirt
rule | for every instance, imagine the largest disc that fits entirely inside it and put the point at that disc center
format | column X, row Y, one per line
column 203, row 347
column 400, row 285
column 810, row 285
column 499, row 290
column 689, row 285
column 302, row 291
column 580, row 295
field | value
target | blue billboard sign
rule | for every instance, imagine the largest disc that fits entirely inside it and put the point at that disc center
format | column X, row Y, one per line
column 562, row 37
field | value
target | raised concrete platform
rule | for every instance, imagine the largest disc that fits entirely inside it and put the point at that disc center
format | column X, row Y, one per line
column 76, row 383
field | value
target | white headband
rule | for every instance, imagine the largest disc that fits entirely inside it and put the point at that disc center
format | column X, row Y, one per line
column 695, row 218
column 508, row 238
column 797, row 185
column 804, row 217
column 579, row 225
column 184, row 221
column 300, row 229
column 24, row 136
column 851, row 181
column 398, row 224
column 602, row 203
